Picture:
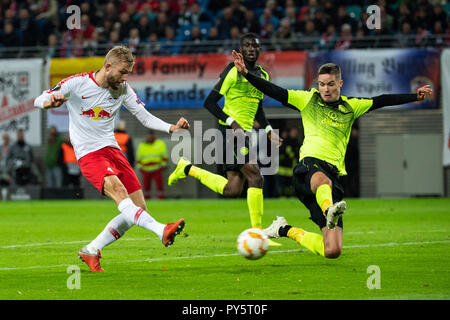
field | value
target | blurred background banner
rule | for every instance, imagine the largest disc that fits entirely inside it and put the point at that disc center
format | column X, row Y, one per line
column 20, row 83
column 368, row 73
column 445, row 63
column 61, row 68
column 184, row 81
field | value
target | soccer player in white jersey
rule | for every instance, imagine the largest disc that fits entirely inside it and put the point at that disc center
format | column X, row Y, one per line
column 93, row 100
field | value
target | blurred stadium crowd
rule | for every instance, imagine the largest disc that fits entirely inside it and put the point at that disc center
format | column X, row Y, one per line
column 168, row 27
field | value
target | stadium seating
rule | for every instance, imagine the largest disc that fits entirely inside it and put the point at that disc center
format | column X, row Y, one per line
column 304, row 10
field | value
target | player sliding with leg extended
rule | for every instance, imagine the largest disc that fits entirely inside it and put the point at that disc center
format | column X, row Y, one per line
column 93, row 100
column 327, row 119
column 243, row 104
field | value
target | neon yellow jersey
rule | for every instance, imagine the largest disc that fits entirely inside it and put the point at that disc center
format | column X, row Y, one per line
column 327, row 128
column 241, row 97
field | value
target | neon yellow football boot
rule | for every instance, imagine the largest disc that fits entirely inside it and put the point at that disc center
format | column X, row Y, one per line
column 178, row 173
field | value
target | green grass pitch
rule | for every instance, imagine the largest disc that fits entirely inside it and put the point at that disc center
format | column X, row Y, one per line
column 408, row 239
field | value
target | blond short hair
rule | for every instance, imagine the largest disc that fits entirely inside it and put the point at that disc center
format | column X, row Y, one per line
column 120, row 54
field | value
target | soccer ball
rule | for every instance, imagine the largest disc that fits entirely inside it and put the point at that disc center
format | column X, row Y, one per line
column 252, row 243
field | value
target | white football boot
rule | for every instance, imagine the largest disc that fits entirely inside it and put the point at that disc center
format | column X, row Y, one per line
column 334, row 212
column 272, row 230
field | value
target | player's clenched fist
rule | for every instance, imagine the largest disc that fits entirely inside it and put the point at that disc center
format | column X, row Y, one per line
column 181, row 124
column 56, row 100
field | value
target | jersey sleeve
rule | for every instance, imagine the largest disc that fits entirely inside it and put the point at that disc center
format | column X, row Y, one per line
column 64, row 87
column 227, row 79
column 299, row 98
column 266, row 74
column 360, row 105
column 137, row 108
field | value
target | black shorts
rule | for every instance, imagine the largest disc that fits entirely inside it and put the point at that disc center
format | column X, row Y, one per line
column 235, row 153
column 301, row 180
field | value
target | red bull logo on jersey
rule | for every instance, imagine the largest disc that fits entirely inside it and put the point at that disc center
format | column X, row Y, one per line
column 96, row 113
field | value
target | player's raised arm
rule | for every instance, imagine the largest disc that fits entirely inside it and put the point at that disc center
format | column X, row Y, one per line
column 266, row 87
column 385, row 100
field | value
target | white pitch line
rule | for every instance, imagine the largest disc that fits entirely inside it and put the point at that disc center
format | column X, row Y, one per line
column 63, row 243
column 143, row 239
column 390, row 244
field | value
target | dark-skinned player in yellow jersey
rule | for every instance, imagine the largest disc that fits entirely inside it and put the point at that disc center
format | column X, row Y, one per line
column 242, row 106
column 327, row 118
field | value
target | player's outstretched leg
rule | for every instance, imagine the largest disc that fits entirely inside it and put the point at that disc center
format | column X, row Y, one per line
column 90, row 253
column 116, row 228
column 211, row 180
column 311, row 241
column 331, row 211
column 137, row 216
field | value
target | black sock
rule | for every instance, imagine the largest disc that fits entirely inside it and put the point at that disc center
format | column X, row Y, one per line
column 284, row 230
column 187, row 168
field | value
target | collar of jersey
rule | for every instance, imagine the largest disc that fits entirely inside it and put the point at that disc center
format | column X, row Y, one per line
column 335, row 104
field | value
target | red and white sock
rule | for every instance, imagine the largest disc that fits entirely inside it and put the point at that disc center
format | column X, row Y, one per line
column 113, row 231
column 140, row 217
column 130, row 215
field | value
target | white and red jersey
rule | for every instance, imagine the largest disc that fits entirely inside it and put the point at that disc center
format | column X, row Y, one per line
column 92, row 110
